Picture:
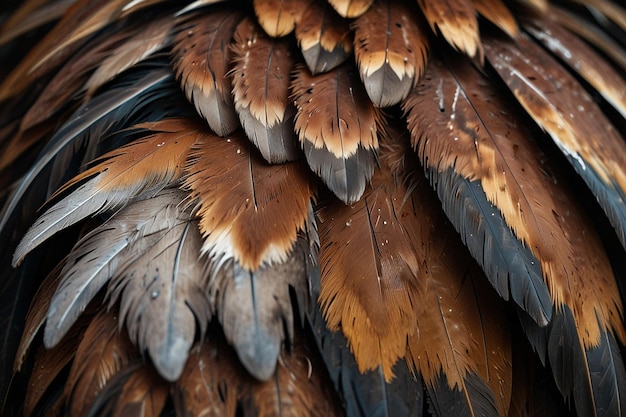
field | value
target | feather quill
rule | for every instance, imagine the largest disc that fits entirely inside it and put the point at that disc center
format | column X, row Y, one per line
column 390, row 61
column 201, row 61
column 261, row 76
column 337, row 126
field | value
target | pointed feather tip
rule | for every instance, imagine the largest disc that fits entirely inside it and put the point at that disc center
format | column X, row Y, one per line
column 385, row 88
column 171, row 358
column 258, row 352
column 319, row 59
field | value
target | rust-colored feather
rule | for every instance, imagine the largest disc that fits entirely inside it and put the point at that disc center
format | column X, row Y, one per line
column 249, row 211
column 351, row 8
column 560, row 106
column 261, row 76
column 337, row 126
column 278, row 17
column 369, row 269
column 456, row 20
column 202, row 59
column 324, row 38
column 144, row 166
column 390, row 61
column 143, row 395
column 498, row 13
column 102, row 353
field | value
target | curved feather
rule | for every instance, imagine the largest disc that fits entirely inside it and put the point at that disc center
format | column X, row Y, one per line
column 498, row 13
column 390, row 61
column 124, row 174
column 261, row 76
column 144, row 394
column 337, row 126
column 201, row 61
column 278, row 17
column 581, row 131
column 161, row 293
column 483, row 165
column 351, row 8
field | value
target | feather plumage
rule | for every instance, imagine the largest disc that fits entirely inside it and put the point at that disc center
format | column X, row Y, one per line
column 390, row 61
column 264, row 64
column 351, row 8
column 324, row 38
column 202, row 62
column 279, row 17
column 337, row 126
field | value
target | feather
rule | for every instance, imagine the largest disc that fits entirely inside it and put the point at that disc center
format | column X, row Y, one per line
column 592, row 34
column 124, row 174
column 211, row 381
column 150, row 39
column 582, row 59
column 102, row 353
column 278, row 17
column 160, row 294
column 262, row 64
column 390, row 61
column 456, row 20
column 51, row 363
column 32, row 15
column 143, row 395
column 324, row 38
column 83, row 119
column 337, row 126
column 66, row 85
column 497, row 13
column 37, row 314
column 297, row 388
column 249, row 211
column 369, row 270
column 481, row 163
column 458, row 314
column 201, row 61
column 255, row 308
column 608, row 9
column 351, row 8
column 560, row 106
column 368, row 393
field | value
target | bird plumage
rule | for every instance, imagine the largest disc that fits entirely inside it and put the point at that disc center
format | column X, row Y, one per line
column 325, row 208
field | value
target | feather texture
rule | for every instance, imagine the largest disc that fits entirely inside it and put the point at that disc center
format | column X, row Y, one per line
column 337, row 126
column 202, row 58
column 279, row 17
column 390, row 61
column 263, row 64
column 351, row 8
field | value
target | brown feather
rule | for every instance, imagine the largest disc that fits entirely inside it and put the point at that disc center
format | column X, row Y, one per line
column 211, row 381
column 261, row 77
column 50, row 362
column 497, row 13
column 102, row 353
column 351, row 8
column 37, row 314
column 610, row 10
column 324, row 38
column 582, row 59
column 32, row 15
column 144, row 395
column 278, row 17
column 249, row 211
column 202, row 59
column 456, row 20
column 337, row 126
column 560, row 106
column 592, row 34
column 390, row 61
column 369, row 267
column 298, row 388
column 141, row 45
